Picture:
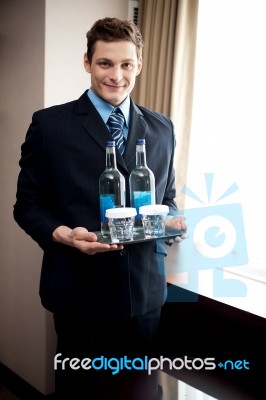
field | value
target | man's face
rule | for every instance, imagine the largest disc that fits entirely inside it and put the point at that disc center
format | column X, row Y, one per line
column 113, row 70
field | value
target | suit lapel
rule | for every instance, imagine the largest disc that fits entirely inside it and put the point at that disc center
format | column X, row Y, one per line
column 137, row 130
column 96, row 128
column 92, row 122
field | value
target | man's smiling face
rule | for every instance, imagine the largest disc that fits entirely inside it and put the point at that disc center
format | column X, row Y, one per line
column 113, row 68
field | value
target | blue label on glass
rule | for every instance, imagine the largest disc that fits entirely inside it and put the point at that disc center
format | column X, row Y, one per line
column 106, row 201
column 141, row 199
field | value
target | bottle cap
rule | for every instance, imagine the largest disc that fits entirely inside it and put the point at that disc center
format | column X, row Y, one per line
column 110, row 143
column 140, row 141
column 154, row 209
column 120, row 212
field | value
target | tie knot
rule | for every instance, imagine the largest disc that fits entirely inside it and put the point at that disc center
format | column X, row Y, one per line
column 116, row 123
column 116, row 119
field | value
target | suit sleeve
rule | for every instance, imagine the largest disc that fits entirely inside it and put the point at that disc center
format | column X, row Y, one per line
column 33, row 209
column 170, row 191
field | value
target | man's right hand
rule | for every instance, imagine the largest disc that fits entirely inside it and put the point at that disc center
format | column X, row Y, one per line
column 83, row 240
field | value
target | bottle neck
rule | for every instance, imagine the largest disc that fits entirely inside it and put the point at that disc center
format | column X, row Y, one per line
column 110, row 157
column 141, row 155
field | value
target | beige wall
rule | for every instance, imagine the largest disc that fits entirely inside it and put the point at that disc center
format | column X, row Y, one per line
column 42, row 45
column 67, row 22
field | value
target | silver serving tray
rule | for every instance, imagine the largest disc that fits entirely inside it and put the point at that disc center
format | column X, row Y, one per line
column 139, row 237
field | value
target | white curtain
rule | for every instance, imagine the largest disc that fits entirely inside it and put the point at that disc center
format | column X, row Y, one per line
column 182, row 87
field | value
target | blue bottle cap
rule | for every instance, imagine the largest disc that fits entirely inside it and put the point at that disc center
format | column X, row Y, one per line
column 140, row 141
column 110, row 143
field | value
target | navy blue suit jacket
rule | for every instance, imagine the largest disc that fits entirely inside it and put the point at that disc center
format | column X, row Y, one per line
column 62, row 158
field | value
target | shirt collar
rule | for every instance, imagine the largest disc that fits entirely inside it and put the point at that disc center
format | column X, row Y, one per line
column 105, row 108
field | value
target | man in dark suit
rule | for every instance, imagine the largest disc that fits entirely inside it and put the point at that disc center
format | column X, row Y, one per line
column 106, row 298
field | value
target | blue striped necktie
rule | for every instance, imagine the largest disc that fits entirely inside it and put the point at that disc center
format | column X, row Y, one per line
column 116, row 123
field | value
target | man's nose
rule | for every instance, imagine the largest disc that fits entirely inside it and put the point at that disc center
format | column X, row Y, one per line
column 116, row 73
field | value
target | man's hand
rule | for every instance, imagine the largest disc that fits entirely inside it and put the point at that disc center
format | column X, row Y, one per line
column 83, row 240
column 176, row 224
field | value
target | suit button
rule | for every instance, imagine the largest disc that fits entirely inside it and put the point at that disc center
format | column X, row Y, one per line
column 123, row 253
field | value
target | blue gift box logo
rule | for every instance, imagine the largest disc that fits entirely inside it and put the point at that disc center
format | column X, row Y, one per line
column 217, row 237
column 216, row 240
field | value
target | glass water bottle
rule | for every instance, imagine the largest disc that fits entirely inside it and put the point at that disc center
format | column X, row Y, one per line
column 141, row 182
column 111, row 187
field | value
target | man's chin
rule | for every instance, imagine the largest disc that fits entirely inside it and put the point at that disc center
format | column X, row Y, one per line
column 114, row 100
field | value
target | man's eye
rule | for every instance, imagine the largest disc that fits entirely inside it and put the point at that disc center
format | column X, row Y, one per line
column 104, row 64
column 128, row 66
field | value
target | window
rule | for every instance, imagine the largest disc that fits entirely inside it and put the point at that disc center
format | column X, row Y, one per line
column 228, row 143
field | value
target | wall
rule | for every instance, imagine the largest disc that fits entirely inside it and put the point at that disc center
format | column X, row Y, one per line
column 41, row 62
column 67, row 22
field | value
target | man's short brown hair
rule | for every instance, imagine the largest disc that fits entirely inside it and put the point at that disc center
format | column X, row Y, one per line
column 111, row 30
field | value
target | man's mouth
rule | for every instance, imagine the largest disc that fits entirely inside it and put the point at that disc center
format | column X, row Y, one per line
column 114, row 86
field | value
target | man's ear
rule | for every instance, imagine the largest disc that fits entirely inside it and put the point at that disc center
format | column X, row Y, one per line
column 86, row 63
column 139, row 66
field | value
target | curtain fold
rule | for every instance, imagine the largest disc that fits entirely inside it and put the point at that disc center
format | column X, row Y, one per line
column 157, row 21
column 166, row 81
